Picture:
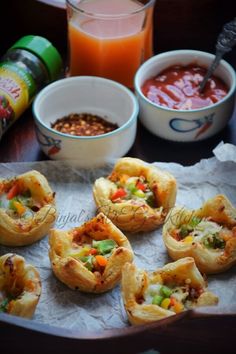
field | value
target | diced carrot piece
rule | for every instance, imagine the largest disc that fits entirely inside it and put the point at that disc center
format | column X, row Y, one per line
column 13, row 192
column 102, row 261
column 172, row 301
column 175, row 235
column 178, row 307
column 20, row 208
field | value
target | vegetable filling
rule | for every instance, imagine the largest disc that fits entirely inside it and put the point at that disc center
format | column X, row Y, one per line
column 93, row 254
column 132, row 188
column 207, row 232
column 18, row 203
column 172, row 297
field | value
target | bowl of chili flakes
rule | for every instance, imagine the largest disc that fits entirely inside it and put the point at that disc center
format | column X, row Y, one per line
column 90, row 120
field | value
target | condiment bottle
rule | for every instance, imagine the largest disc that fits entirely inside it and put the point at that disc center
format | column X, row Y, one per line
column 31, row 63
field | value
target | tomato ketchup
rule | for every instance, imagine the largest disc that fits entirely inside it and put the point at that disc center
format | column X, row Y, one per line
column 177, row 87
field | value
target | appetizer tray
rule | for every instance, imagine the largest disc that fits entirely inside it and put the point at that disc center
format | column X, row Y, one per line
column 75, row 312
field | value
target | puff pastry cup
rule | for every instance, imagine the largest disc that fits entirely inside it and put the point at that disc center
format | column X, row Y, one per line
column 90, row 257
column 207, row 234
column 176, row 287
column 20, row 286
column 27, row 209
column 136, row 196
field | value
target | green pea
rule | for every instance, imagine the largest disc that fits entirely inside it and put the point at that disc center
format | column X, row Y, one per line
column 165, row 291
column 157, row 300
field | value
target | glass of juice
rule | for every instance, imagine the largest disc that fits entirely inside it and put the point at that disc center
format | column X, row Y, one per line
column 109, row 38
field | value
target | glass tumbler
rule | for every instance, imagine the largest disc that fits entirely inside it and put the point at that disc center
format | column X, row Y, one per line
column 109, row 38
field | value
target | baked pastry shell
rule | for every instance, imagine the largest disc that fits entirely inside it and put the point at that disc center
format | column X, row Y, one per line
column 72, row 272
column 21, row 281
column 136, row 217
column 19, row 232
column 209, row 261
column 135, row 281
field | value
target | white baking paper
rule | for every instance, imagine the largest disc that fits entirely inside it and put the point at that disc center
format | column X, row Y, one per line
column 62, row 307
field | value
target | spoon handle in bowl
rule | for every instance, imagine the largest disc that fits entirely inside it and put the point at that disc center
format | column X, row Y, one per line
column 213, row 66
column 225, row 42
column 227, row 38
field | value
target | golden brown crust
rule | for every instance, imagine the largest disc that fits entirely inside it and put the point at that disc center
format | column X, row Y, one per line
column 72, row 271
column 20, row 231
column 136, row 217
column 219, row 210
column 20, row 282
column 135, row 283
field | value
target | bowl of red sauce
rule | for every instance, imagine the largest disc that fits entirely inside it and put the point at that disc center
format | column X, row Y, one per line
column 171, row 104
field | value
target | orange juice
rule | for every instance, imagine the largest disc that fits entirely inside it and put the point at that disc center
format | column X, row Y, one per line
column 113, row 43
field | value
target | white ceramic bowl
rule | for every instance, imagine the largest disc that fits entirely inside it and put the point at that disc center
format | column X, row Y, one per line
column 183, row 125
column 85, row 94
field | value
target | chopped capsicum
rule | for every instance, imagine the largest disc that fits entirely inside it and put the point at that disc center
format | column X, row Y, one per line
column 104, row 246
column 131, row 187
column 84, row 251
column 88, row 262
column 140, row 186
column 119, row 193
column 13, row 192
column 139, row 193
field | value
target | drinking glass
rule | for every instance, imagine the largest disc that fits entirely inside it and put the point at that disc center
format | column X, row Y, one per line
column 109, row 38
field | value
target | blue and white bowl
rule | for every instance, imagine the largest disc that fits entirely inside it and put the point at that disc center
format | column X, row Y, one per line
column 85, row 94
column 185, row 125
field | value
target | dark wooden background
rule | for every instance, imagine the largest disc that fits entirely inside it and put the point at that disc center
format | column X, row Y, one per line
column 178, row 24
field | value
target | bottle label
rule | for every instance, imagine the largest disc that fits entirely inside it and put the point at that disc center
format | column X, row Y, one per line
column 17, row 89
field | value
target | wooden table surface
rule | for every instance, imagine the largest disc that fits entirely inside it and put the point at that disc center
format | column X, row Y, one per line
column 20, row 144
column 178, row 24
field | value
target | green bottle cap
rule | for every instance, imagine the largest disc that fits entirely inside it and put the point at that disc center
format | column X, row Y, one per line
column 45, row 51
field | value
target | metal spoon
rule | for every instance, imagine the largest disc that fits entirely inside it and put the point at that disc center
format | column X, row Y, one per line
column 225, row 41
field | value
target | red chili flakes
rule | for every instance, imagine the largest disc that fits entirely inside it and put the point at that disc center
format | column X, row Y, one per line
column 83, row 124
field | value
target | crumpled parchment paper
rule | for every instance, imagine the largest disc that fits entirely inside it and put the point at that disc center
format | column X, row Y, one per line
column 71, row 309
